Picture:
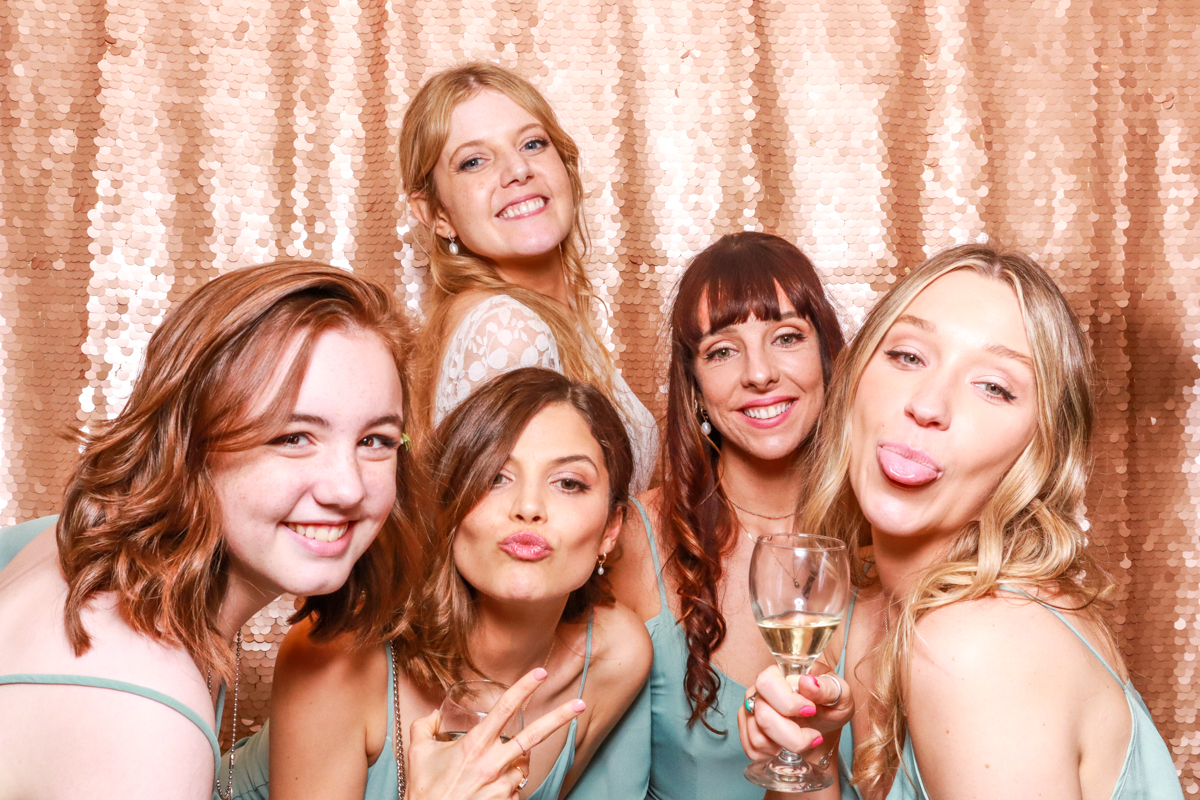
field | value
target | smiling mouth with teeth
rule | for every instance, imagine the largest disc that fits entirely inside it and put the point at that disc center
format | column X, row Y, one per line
column 519, row 209
column 321, row 533
column 767, row 412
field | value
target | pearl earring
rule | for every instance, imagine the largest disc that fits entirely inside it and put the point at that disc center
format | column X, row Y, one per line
column 452, row 247
column 705, row 425
column 600, row 563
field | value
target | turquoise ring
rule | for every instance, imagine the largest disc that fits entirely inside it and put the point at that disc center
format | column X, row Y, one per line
column 749, row 704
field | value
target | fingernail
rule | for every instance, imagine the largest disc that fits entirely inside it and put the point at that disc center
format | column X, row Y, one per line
column 816, row 682
column 818, row 741
column 540, row 674
column 578, row 705
column 808, row 711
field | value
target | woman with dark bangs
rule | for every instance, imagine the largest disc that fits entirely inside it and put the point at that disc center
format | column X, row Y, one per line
column 753, row 341
column 530, row 478
column 259, row 453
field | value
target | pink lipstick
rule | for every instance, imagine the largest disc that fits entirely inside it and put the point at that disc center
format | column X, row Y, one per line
column 526, row 546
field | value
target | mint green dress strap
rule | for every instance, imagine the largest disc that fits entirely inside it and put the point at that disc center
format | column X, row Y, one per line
column 686, row 762
column 620, row 768
column 12, row 541
column 551, row 786
column 1148, row 772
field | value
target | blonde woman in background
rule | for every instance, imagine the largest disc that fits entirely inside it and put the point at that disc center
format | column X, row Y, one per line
column 494, row 182
column 953, row 459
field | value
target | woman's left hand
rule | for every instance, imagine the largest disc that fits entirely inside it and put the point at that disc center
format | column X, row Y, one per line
column 823, row 702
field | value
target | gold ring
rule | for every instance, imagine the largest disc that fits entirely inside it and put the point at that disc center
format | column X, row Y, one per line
column 524, row 777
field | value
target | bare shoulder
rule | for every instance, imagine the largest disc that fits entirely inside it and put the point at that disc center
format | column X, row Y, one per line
column 632, row 572
column 77, row 741
column 621, row 648
column 1000, row 632
column 1008, row 650
column 336, row 665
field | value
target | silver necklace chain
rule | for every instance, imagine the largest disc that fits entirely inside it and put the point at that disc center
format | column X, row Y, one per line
column 398, row 733
column 237, row 675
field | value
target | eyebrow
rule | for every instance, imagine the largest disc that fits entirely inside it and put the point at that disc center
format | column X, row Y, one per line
column 321, row 422
column 916, row 322
column 995, row 349
column 480, row 142
column 1006, row 352
column 782, row 318
column 558, row 462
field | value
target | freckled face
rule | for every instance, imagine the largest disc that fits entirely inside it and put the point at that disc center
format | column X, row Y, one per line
column 299, row 509
column 505, row 190
column 537, row 533
column 944, row 408
column 760, row 382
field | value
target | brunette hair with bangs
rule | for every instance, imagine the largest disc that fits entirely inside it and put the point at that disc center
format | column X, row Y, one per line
column 466, row 453
column 140, row 516
column 738, row 276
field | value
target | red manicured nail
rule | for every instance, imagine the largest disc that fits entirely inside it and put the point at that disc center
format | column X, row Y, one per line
column 808, row 711
column 816, row 682
column 818, row 740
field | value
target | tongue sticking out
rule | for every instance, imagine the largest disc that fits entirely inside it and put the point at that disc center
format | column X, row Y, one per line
column 905, row 470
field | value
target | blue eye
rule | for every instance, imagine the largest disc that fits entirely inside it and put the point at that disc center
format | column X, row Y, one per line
column 535, row 144
column 470, row 163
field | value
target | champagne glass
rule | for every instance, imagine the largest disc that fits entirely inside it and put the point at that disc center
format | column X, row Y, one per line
column 465, row 706
column 799, row 590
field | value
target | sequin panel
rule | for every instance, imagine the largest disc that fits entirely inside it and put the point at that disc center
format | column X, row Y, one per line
column 147, row 146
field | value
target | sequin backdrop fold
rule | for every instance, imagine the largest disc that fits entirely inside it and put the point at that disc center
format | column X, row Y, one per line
column 147, row 146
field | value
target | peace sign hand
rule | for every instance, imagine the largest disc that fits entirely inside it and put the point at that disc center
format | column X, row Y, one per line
column 479, row 766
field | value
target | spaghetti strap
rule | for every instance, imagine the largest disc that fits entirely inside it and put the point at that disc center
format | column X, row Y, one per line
column 128, row 688
column 662, row 588
column 839, row 669
column 587, row 656
column 1062, row 618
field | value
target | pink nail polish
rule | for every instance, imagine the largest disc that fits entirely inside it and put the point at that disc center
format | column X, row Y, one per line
column 816, row 682
column 808, row 711
column 818, row 740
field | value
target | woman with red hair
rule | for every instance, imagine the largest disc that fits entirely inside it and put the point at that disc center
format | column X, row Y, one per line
column 753, row 341
column 259, row 453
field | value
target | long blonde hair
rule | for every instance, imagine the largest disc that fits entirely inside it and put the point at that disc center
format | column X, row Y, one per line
column 423, row 135
column 1027, row 533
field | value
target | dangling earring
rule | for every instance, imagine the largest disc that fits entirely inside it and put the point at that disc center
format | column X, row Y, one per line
column 452, row 247
column 600, row 563
column 705, row 425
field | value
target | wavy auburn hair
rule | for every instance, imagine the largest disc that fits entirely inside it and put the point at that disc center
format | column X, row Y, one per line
column 468, row 450
column 738, row 276
column 1027, row 532
column 141, row 518
column 423, row 136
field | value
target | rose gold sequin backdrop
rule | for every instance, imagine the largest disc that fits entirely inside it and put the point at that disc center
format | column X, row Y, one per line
column 146, row 146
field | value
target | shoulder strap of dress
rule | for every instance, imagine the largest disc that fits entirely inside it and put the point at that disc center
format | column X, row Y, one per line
column 662, row 589
column 1062, row 618
column 129, row 688
column 587, row 654
column 841, row 665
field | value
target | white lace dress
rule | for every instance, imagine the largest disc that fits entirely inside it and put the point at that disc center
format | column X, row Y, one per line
column 501, row 334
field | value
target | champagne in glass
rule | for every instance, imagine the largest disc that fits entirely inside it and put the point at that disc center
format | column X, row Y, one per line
column 799, row 590
column 465, row 706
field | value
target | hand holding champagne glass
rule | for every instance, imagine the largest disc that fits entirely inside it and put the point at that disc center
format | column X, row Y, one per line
column 799, row 590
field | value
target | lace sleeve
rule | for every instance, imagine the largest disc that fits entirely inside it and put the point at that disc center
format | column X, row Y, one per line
column 498, row 335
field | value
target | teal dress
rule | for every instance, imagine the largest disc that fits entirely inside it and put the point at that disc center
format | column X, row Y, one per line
column 1147, row 774
column 251, row 771
column 12, row 541
column 653, row 752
